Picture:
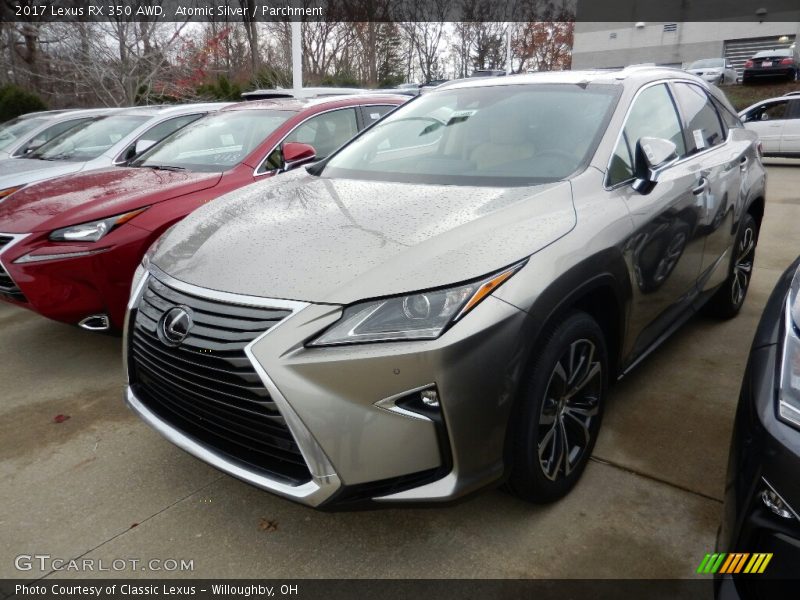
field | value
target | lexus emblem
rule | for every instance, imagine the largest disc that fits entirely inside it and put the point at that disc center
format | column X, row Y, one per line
column 174, row 325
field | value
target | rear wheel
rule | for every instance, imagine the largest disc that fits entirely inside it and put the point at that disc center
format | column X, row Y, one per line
column 561, row 407
column 729, row 298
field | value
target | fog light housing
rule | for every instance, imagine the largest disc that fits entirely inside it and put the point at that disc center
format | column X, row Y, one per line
column 776, row 504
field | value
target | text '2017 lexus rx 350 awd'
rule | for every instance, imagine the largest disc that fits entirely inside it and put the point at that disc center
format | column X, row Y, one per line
column 443, row 302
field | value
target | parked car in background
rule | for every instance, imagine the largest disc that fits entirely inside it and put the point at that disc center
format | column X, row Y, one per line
column 69, row 246
column 488, row 73
column 27, row 133
column 781, row 63
column 407, row 89
column 718, row 71
column 302, row 93
column 102, row 142
column 777, row 123
column 762, row 493
column 443, row 302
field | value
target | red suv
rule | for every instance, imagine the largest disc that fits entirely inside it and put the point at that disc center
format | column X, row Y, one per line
column 69, row 246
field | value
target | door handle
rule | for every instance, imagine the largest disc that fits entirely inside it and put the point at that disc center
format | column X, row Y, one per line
column 743, row 163
column 702, row 184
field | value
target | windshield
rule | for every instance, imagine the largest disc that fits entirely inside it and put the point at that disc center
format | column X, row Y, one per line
column 708, row 63
column 216, row 142
column 498, row 135
column 14, row 129
column 89, row 140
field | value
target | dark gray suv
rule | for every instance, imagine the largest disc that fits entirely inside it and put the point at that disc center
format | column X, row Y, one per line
column 443, row 302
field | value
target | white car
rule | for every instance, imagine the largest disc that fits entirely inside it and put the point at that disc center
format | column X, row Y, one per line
column 714, row 70
column 26, row 133
column 777, row 123
column 100, row 143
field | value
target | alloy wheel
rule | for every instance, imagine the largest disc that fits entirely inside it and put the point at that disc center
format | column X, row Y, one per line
column 571, row 403
column 743, row 267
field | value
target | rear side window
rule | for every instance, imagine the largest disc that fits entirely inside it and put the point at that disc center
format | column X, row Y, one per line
column 327, row 131
column 374, row 113
column 653, row 114
column 162, row 130
column 729, row 119
column 703, row 126
column 159, row 132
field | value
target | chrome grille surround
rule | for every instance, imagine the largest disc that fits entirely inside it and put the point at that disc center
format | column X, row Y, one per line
column 323, row 482
column 8, row 288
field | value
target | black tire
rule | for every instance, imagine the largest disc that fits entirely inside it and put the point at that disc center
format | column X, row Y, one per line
column 729, row 298
column 540, row 470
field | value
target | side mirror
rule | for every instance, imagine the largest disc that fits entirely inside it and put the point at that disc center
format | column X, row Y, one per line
column 142, row 145
column 34, row 145
column 652, row 156
column 296, row 154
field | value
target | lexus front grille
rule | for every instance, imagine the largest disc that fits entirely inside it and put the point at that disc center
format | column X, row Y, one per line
column 8, row 289
column 205, row 386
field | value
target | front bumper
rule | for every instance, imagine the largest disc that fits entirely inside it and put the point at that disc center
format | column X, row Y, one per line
column 94, row 280
column 339, row 404
column 765, row 455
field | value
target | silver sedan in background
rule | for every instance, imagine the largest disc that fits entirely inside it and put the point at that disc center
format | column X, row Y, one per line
column 718, row 71
column 102, row 142
column 27, row 133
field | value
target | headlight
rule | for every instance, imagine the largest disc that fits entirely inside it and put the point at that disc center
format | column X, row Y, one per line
column 420, row 316
column 789, row 393
column 8, row 191
column 93, row 231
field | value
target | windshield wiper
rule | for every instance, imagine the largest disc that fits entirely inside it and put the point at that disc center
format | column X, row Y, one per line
column 61, row 156
column 163, row 167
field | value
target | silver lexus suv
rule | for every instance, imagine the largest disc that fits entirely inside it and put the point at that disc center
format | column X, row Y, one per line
column 443, row 303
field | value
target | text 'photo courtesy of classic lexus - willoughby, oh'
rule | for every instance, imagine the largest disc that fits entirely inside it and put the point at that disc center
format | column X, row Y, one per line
column 443, row 303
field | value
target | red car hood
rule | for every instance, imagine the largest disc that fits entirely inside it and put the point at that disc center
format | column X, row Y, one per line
column 96, row 195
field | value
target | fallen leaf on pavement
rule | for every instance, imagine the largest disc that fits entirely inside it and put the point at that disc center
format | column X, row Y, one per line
column 60, row 418
column 267, row 525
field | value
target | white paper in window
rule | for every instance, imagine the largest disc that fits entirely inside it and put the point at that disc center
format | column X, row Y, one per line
column 699, row 140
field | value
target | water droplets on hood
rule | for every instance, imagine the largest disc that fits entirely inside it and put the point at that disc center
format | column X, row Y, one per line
column 339, row 240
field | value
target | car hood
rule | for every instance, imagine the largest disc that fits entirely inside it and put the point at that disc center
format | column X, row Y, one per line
column 22, row 171
column 94, row 195
column 708, row 70
column 337, row 241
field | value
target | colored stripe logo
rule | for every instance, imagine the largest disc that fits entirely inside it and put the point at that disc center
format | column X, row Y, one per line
column 734, row 562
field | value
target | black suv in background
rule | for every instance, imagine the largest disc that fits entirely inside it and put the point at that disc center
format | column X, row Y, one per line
column 762, row 495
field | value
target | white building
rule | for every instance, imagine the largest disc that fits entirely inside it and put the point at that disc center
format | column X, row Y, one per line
column 619, row 44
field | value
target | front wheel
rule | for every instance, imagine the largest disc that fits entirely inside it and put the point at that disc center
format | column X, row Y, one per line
column 729, row 298
column 560, row 410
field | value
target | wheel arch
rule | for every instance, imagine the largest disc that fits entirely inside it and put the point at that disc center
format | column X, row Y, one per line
column 756, row 210
column 605, row 295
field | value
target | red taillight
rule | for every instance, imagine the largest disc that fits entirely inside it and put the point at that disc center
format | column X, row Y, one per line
column 749, row 63
column 786, row 61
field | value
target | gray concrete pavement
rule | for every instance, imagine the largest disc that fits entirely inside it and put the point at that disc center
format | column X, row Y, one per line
column 102, row 485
